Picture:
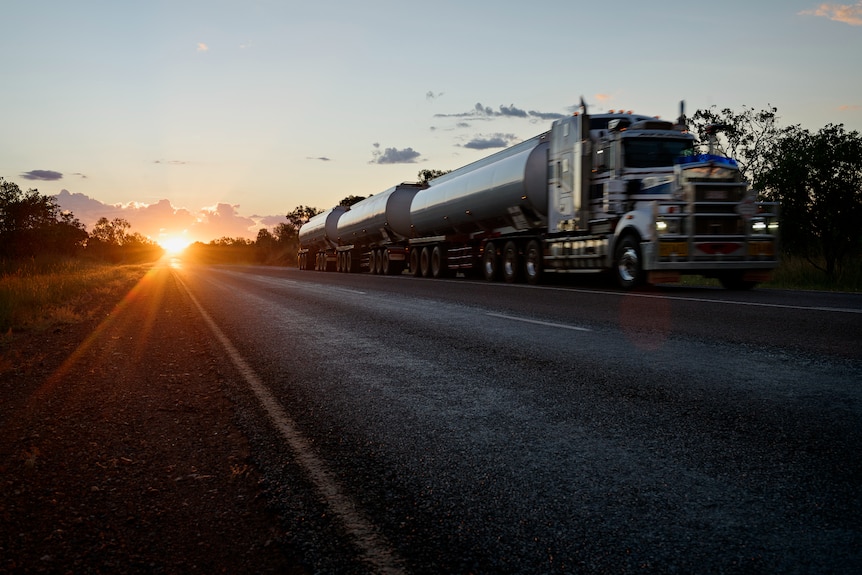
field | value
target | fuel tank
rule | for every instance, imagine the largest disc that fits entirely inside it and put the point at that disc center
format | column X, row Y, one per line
column 507, row 189
column 381, row 218
column 320, row 232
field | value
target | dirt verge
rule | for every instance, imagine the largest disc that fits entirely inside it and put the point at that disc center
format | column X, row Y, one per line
column 119, row 452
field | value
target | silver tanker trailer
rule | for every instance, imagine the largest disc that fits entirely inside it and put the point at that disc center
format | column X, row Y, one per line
column 317, row 240
column 372, row 234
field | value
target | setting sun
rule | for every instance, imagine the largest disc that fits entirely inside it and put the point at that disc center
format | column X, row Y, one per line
column 174, row 244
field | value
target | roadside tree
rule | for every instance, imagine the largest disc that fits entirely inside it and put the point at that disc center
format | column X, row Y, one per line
column 817, row 178
column 111, row 240
column 32, row 224
column 295, row 219
column 747, row 136
column 425, row 176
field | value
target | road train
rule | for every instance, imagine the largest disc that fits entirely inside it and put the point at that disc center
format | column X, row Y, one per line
column 618, row 192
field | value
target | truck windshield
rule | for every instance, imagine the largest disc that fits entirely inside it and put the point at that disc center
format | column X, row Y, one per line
column 654, row 152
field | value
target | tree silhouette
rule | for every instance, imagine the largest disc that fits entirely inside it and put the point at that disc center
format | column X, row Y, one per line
column 32, row 224
column 747, row 136
column 296, row 218
column 425, row 176
column 817, row 178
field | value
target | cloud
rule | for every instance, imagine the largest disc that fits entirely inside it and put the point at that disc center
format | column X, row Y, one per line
column 269, row 221
column 429, row 95
column 849, row 108
column 493, row 141
column 162, row 219
column 321, row 158
column 42, row 175
column 222, row 220
column 203, row 47
column 172, row 162
column 848, row 13
column 481, row 112
column 394, row 156
column 545, row 115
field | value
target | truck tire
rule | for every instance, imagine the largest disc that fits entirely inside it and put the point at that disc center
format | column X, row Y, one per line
column 627, row 263
column 438, row 263
column 348, row 262
column 425, row 262
column 415, row 267
column 511, row 263
column 386, row 267
column 490, row 263
column 533, row 262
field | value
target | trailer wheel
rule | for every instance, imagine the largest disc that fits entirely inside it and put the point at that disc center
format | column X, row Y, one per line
column 629, row 270
column 425, row 262
column 438, row 263
column 533, row 261
column 511, row 263
column 415, row 269
column 490, row 262
column 348, row 262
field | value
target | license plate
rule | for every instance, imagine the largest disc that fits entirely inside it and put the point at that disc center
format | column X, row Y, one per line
column 668, row 249
column 761, row 249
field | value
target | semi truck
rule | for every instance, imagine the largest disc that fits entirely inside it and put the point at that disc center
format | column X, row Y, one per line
column 617, row 193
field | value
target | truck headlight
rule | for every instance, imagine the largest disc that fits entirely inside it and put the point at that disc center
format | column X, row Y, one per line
column 668, row 226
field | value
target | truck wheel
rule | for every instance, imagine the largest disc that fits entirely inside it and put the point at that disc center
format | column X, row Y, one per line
column 511, row 263
column 533, row 261
column 386, row 266
column 415, row 269
column 438, row 263
column 348, row 262
column 425, row 262
column 629, row 270
column 379, row 262
column 490, row 262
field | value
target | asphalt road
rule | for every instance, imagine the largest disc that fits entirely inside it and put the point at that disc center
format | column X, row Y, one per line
column 415, row 426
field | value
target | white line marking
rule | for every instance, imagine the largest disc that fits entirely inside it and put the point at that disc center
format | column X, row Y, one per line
column 749, row 303
column 678, row 298
column 538, row 322
column 373, row 546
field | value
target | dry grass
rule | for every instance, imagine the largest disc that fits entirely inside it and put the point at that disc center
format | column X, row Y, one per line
column 37, row 295
column 800, row 274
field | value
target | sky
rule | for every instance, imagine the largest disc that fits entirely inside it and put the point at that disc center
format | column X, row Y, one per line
column 207, row 119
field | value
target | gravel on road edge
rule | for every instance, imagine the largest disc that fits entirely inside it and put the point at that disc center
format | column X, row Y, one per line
column 119, row 451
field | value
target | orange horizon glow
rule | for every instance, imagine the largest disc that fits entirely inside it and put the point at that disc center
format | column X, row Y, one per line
column 174, row 245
